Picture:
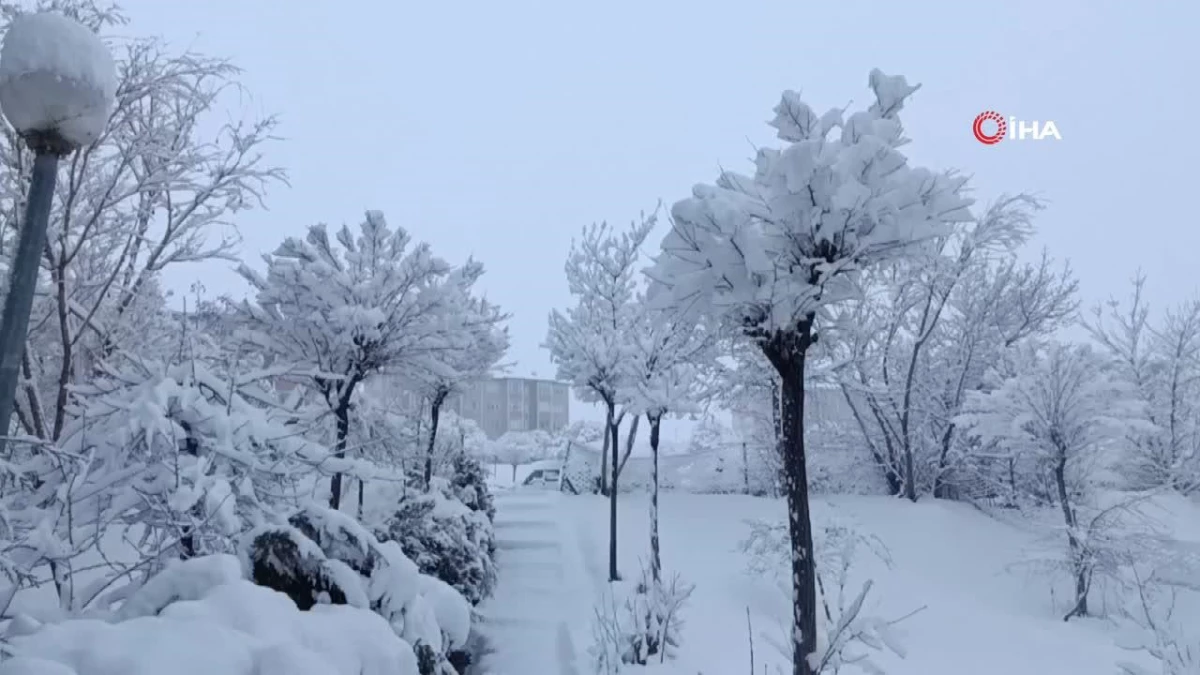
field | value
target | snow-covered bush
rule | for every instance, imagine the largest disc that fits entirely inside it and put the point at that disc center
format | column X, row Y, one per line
column 171, row 458
column 469, row 480
column 1160, row 633
column 324, row 557
column 199, row 616
column 642, row 628
column 848, row 637
column 446, row 539
column 1158, row 359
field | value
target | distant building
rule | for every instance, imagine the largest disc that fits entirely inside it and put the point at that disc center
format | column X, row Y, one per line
column 503, row 404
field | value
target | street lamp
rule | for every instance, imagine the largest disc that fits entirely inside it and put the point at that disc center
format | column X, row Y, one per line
column 57, row 85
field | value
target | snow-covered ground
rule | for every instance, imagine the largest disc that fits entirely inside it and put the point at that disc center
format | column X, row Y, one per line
column 977, row 609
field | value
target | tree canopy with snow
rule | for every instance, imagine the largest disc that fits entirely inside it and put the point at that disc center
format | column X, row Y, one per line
column 515, row 448
column 476, row 340
column 340, row 313
column 763, row 254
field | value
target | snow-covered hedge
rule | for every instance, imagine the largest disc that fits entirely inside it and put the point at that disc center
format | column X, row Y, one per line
column 200, row 617
column 325, row 557
column 446, row 539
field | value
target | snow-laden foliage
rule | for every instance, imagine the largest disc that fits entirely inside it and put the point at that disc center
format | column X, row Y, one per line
column 667, row 362
column 1162, row 361
column 1059, row 410
column 446, row 540
column 322, row 557
column 468, row 480
column 479, row 343
column 588, row 341
column 923, row 333
column 768, row 251
column 642, row 627
column 343, row 312
column 849, row 638
column 175, row 457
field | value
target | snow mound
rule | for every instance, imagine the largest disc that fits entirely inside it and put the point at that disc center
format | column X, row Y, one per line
column 56, row 75
column 450, row 608
column 232, row 628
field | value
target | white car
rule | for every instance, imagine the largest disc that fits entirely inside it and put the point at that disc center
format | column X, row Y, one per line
column 544, row 478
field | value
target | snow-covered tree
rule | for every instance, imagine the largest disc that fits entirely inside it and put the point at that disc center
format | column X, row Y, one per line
column 1061, row 409
column 666, row 372
column 1162, row 361
column 583, row 431
column 515, row 448
column 923, row 331
column 764, row 254
column 589, row 342
column 340, row 313
column 479, row 342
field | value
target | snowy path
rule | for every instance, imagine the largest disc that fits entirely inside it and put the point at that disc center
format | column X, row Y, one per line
column 542, row 590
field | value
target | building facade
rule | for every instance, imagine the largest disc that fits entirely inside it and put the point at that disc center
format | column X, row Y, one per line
column 502, row 404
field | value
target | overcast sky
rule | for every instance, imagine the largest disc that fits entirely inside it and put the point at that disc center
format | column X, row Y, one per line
column 499, row 129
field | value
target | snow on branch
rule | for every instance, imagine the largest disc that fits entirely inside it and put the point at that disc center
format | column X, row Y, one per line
column 588, row 342
column 765, row 251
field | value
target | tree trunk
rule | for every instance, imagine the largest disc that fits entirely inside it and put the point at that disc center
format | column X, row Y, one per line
column 745, row 467
column 787, row 353
column 1079, row 566
column 514, row 478
column 613, row 574
column 655, row 557
column 777, row 420
column 361, row 488
column 608, row 433
column 341, row 415
column 435, row 410
column 629, row 438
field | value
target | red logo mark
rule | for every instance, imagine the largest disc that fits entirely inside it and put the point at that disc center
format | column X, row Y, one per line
column 989, row 116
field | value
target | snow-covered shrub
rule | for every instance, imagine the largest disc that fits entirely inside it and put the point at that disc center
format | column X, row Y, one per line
column 1158, row 632
column 644, row 629
column 847, row 636
column 469, row 480
column 172, row 457
column 446, row 539
column 283, row 559
column 199, row 616
column 325, row 557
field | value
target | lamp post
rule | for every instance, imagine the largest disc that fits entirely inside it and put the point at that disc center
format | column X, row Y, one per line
column 57, row 85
